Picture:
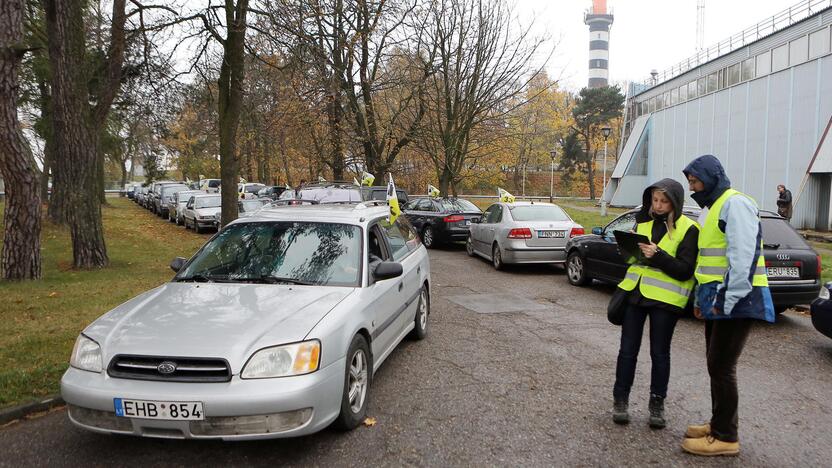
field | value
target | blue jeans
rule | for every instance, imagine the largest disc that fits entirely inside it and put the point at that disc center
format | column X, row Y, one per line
column 662, row 324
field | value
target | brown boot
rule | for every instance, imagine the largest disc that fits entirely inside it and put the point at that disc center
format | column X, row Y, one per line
column 696, row 431
column 710, row 447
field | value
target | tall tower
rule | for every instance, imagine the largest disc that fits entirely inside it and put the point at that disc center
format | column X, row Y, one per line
column 599, row 21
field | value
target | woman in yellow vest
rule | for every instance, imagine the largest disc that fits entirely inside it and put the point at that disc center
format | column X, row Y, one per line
column 659, row 288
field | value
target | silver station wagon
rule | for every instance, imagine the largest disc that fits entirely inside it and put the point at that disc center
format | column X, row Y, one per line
column 274, row 328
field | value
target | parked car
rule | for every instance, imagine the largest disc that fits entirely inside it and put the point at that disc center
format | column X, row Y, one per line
column 245, row 208
column 821, row 310
column 379, row 192
column 271, row 192
column 441, row 220
column 210, row 185
column 201, row 211
column 249, row 191
column 253, row 339
column 152, row 202
column 327, row 192
column 522, row 232
column 792, row 265
column 165, row 200
column 180, row 199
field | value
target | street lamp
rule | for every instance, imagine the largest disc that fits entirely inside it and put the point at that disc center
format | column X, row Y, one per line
column 606, row 133
column 553, row 154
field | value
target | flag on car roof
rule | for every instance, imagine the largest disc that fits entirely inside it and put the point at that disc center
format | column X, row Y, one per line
column 356, row 182
column 367, row 179
column 433, row 192
column 393, row 201
column 504, row 196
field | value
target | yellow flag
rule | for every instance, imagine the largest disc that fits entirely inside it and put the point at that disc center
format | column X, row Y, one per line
column 367, row 179
column 321, row 179
column 393, row 201
column 504, row 196
column 433, row 192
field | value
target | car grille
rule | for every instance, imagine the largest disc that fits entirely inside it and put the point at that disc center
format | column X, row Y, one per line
column 172, row 369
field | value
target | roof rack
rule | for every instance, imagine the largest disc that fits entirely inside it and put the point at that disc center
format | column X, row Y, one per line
column 368, row 203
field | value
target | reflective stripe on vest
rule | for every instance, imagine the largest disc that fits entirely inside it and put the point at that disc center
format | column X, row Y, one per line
column 652, row 282
column 712, row 263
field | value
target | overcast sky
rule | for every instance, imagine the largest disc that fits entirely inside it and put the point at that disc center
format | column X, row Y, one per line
column 646, row 34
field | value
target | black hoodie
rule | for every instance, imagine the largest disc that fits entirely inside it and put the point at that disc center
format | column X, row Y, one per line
column 680, row 267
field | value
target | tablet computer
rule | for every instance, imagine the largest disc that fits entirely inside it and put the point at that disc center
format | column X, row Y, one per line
column 628, row 245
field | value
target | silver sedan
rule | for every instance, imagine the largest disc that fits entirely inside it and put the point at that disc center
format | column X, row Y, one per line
column 273, row 329
column 522, row 232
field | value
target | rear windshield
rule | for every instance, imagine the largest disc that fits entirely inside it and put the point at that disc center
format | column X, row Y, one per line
column 538, row 213
column 381, row 194
column 330, row 194
column 778, row 231
column 208, row 202
column 458, row 204
column 213, row 183
column 254, row 188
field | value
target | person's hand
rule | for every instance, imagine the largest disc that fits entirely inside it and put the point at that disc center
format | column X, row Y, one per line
column 717, row 311
column 649, row 249
column 697, row 312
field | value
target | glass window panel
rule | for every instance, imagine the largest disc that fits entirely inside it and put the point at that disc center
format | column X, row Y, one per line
column 674, row 96
column 763, row 64
column 713, row 81
column 683, row 93
column 819, row 43
column 799, row 50
column 733, row 74
column 747, row 69
column 780, row 58
column 722, row 78
column 692, row 90
column 701, row 88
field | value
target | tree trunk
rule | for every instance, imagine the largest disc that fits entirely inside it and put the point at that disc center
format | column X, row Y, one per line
column 75, row 132
column 232, row 75
column 20, row 258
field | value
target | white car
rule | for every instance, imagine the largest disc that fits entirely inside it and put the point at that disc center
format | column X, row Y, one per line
column 201, row 211
column 273, row 329
column 249, row 191
column 180, row 200
column 210, row 185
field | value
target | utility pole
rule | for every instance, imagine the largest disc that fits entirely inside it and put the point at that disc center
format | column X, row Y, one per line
column 700, row 25
column 606, row 132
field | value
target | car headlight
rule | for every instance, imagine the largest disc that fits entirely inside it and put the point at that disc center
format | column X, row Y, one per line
column 824, row 293
column 284, row 361
column 86, row 355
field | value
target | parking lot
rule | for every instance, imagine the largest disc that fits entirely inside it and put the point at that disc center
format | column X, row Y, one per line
column 517, row 370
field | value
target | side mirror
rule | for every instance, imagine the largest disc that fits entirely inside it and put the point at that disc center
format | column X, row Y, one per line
column 387, row 270
column 598, row 231
column 179, row 262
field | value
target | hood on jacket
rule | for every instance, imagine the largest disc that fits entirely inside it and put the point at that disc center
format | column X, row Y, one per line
column 675, row 192
column 709, row 170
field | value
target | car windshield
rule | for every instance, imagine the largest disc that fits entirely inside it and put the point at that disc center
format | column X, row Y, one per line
column 254, row 188
column 213, row 183
column 325, row 254
column 538, row 213
column 330, row 194
column 250, row 205
column 777, row 232
column 458, row 204
column 169, row 191
column 208, row 202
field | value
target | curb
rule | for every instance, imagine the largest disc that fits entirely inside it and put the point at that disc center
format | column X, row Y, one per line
column 22, row 411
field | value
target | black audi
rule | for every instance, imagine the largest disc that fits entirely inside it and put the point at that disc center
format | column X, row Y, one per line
column 792, row 265
column 441, row 220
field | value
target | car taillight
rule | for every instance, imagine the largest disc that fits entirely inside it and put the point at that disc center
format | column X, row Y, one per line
column 453, row 219
column 576, row 231
column 520, row 233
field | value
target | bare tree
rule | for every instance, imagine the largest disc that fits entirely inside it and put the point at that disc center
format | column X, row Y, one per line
column 21, row 237
column 482, row 65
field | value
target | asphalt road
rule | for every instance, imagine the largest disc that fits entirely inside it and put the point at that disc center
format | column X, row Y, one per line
column 517, row 371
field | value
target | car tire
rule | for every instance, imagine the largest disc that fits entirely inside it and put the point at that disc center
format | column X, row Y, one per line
column 420, row 329
column 469, row 246
column 358, row 376
column 196, row 227
column 575, row 269
column 185, row 222
column 428, row 237
column 496, row 257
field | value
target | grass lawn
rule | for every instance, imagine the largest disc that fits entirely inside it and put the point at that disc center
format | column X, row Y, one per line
column 39, row 320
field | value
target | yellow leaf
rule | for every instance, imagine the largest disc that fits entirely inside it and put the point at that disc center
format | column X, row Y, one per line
column 53, row 294
column 369, row 422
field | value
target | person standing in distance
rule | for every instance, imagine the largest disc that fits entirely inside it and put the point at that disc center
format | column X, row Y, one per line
column 732, row 293
column 784, row 202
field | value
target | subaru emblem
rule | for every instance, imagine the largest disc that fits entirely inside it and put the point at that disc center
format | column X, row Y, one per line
column 166, row 368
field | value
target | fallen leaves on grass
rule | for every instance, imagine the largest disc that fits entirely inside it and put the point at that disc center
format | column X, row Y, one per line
column 369, row 422
column 53, row 294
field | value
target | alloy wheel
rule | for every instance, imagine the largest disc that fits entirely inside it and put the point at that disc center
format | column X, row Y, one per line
column 575, row 269
column 358, row 380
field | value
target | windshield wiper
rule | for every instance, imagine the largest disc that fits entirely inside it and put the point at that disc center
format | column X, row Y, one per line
column 268, row 279
column 201, row 278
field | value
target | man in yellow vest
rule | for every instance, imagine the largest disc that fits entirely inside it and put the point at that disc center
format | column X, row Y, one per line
column 732, row 293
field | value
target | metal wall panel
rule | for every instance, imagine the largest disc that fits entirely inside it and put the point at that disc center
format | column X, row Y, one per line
column 705, row 124
column 803, row 123
column 720, row 124
column 777, row 135
column 737, row 136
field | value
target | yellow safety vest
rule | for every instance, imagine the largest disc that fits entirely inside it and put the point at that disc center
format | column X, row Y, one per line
column 652, row 282
column 712, row 264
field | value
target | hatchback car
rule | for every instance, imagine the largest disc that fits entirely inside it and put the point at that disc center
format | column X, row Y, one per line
column 522, row 232
column 441, row 220
column 792, row 266
column 165, row 200
column 180, row 200
column 821, row 310
column 201, row 211
column 274, row 328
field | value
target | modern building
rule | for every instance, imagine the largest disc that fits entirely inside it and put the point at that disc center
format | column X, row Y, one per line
column 599, row 21
column 760, row 101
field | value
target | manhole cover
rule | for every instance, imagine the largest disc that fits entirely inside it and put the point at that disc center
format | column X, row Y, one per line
column 495, row 303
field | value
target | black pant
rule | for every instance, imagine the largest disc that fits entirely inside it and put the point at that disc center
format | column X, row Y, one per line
column 724, row 340
column 662, row 324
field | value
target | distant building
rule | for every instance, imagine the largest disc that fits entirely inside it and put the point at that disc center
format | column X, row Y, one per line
column 761, row 102
column 599, row 21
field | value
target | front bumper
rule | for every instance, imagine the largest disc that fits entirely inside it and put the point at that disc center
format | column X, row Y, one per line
column 90, row 398
column 210, row 223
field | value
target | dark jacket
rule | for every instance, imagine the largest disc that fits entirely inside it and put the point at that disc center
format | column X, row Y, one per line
column 784, row 204
column 757, row 303
column 679, row 267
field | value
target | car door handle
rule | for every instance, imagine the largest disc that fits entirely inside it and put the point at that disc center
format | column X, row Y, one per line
column 401, row 286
